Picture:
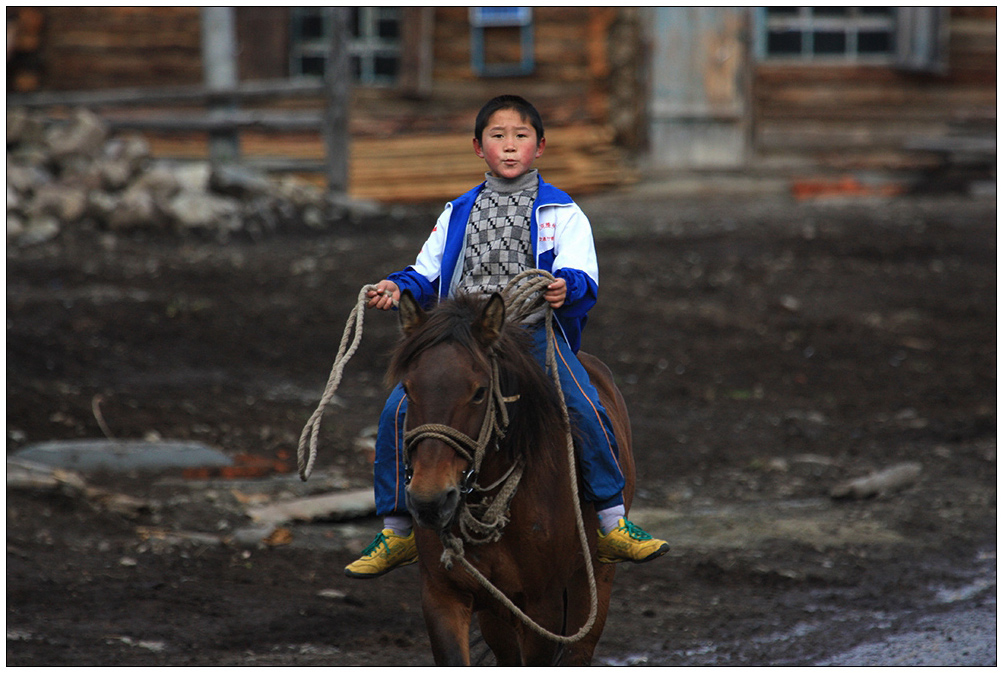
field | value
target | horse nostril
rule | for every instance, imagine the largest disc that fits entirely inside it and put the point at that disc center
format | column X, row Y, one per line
column 450, row 500
column 436, row 512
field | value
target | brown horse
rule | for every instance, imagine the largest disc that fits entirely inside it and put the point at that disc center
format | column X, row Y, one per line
column 448, row 361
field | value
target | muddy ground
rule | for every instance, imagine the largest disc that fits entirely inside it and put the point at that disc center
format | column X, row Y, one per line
column 767, row 350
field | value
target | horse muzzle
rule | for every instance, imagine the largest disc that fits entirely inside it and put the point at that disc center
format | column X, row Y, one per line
column 436, row 510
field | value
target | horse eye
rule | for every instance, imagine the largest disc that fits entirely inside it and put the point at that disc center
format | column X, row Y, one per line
column 480, row 395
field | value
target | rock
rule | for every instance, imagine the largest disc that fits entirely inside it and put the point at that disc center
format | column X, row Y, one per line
column 101, row 205
column 313, row 217
column 132, row 148
column 26, row 179
column 790, row 303
column 880, row 483
column 65, row 202
column 83, row 135
column 194, row 210
column 13, row 198
column 122, row 455
column 251, row 536
column 161, row 182
column 238, row 181
column 342, row 505
column 192, row 177
column 298, row 192
column 122, row 160
column 39, row 229
column 116, row 182
column 136, row 209
column 23, row 128
column 28, row 475
column 115, row 173
column 15, row 226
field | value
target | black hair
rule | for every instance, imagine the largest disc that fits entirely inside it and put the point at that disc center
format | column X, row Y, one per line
column 508, row 102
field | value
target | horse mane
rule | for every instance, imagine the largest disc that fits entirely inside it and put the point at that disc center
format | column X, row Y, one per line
column 536, row 412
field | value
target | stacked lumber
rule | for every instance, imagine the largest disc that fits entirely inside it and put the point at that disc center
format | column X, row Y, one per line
column 413, row 168
column 578, row 159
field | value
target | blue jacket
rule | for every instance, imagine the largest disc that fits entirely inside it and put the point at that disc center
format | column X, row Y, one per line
column 562, row 245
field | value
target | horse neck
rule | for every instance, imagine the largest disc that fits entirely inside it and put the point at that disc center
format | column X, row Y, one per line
column 544, row 459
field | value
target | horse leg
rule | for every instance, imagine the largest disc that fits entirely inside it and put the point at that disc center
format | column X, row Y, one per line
column 501, row 638
column 548, row 612
column 579, row 605
column 447, row 619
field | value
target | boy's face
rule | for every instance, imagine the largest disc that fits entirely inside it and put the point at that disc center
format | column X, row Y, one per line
column 509, row 144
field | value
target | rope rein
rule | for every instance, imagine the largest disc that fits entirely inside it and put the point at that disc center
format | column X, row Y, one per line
column 308, row 438
column 484, row 522
column 523, row 296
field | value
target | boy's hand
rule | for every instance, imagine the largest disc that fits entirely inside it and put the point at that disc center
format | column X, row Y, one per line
column 556, row 293
column 385, row 296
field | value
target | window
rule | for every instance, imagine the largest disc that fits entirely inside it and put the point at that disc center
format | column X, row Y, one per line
column 494, row 24
column 373, row 50
column 827, row 34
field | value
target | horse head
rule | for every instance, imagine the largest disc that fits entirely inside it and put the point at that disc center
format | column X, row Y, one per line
column 446, row 372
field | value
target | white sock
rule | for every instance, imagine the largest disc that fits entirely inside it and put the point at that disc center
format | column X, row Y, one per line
column 609, row 518
column 400, row 525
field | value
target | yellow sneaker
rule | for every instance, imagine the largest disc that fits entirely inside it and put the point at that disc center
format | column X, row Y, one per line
column 628, row 542
column 386, row 552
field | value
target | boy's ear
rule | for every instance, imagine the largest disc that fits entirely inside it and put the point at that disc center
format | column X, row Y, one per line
column 539, row 147
column 478, row 150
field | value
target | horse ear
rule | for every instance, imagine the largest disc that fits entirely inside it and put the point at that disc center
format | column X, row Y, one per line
column 488, row 327
column 411, row 313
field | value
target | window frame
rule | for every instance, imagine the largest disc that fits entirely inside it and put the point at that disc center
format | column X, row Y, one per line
column 808, row 23
column 364, row 48
column 483, row 18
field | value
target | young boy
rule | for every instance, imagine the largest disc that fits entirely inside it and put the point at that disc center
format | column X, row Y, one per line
column 511, row 222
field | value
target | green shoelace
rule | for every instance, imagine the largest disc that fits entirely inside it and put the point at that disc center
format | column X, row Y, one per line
column 635, row 531
column 377, row 541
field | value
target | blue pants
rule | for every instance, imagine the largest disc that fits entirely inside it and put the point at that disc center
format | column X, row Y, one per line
column 598, row 450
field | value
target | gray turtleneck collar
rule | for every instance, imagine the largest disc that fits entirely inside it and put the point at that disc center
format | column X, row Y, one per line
column 505, row 186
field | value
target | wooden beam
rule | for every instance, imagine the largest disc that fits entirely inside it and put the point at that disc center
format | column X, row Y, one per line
column 244, row 92
column 338, row 80
column 219, row 62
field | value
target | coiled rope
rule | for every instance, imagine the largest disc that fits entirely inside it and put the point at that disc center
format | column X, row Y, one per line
column 308, row 438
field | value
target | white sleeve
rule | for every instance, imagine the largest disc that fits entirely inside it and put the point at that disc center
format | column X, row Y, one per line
column 429, row 261
column 574, row 247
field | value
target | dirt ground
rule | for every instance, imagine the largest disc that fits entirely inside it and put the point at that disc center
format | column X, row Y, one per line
column 768, row 351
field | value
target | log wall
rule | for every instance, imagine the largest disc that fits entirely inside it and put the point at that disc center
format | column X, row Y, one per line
column 83, row 48
column 864, row 117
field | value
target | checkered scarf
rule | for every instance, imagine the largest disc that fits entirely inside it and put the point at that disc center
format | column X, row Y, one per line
column 499, row 245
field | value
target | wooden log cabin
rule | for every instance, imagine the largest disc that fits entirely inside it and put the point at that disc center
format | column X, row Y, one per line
column 792, row 91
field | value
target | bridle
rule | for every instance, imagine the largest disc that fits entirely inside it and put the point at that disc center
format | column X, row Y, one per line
column 483, row 521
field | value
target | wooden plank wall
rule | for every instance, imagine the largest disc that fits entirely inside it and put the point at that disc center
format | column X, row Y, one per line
column 846, row 117
column 404, row 148
column 84, row 48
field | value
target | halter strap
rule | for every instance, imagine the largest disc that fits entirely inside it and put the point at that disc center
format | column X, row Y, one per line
column 483, row 522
